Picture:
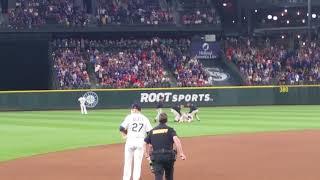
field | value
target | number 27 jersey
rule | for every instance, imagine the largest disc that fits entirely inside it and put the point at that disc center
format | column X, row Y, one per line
column 137, row 126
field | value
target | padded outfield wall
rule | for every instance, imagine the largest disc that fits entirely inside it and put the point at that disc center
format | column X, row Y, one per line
column 122, row 98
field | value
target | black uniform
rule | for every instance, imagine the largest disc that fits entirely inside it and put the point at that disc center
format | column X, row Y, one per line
column 177, row 108
column 163, row 156
column 160, row 104
column 192, row 108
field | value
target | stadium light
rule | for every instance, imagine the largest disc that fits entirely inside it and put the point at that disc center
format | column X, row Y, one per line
column 224, row 4
column 307, row 14
column 233, row 21
column 303, row 21
column 286, row 10
column 282, row 36
column 244, row 17
column 288, row 22
column 299, row 36
column 298, row 13
column 269, row 17
column 304, row 43
column 256, row 10
column 282, row 14
column 314, row 16
column 275, row 18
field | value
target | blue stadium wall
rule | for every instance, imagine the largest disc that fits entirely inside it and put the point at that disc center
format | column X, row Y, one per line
column 122, row 98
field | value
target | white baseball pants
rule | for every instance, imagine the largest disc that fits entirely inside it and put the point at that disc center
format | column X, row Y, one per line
column 135, row 153
column 176, row 115
column 83, row 109
column 194, row 113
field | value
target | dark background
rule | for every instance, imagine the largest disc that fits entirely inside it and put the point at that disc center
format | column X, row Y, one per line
column 24, row 64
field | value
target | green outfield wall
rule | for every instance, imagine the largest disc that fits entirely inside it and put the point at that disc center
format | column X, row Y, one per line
column 122, row 98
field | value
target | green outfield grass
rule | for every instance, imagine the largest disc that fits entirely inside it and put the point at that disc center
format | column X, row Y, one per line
column 24, row 134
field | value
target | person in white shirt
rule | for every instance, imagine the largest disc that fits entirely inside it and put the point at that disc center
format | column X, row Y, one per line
column 134, row 129
column 83, row 107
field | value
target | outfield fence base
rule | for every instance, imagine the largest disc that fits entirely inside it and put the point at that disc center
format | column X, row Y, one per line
column 122, row 98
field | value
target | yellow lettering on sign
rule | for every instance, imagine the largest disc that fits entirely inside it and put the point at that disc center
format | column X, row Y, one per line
column 160, row 131
column 284, row 89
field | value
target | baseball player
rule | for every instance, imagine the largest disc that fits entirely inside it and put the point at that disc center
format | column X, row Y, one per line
column 134, row 129
column 159, row 108
column 83, row 107
column 176, row 110
column 184, row 118
column 193, row 112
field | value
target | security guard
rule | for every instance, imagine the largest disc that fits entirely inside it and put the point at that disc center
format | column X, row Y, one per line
column 163, row 156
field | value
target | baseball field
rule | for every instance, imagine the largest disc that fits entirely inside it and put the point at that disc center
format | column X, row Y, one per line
column 249, row 143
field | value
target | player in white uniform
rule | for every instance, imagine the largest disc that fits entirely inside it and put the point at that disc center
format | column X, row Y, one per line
column 134, row 129
column 83, row 107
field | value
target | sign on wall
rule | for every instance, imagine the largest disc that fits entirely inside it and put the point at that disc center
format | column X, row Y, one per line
column 205, row 50
column 175, row 97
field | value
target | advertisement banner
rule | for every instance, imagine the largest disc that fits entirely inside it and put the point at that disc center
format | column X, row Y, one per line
column 205, row 50
column 172, row 97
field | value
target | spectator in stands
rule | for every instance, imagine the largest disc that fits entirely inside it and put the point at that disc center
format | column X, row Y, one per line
column 35, row 13
column 198, row 12
column 272, row 63
column 258, row 63
column 26, row 14
column 66, row 12
column 303, row 67
column 132, row 12
column 201, row 16
column 187, row 70
column 126, row 63
column 70, row 66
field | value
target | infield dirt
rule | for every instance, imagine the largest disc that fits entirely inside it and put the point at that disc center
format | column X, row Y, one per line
column 262, row 156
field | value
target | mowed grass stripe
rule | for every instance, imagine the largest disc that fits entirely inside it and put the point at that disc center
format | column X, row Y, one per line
column 31, row 132
column 103, row 125
column 261, row 116
column 314, row 112
column 51, row 120
column 267, row 110
column 217, row 119
column 71, row 116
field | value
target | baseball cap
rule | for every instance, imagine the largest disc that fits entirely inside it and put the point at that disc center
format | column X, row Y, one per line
column 136, row 106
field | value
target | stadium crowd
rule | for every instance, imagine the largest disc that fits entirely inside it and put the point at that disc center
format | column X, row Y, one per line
column 70, row 13
column 303, row 67
column 200, row 16
column 132, row 12
column 34, row 13
column 273, row 62
column 259, row 63
column 65, row 12
column 125, row 63
column 70, row 67
column 198, row 12
column 187, row 70
column 28, row 13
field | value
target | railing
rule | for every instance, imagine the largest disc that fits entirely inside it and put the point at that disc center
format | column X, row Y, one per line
column 115, row 28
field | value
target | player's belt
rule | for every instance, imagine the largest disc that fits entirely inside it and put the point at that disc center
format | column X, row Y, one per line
column 163, row 151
